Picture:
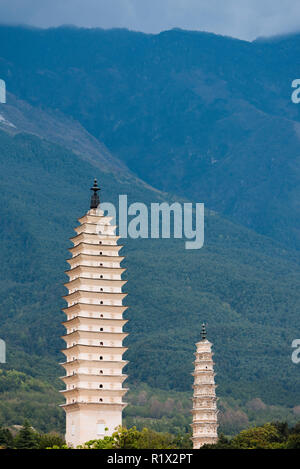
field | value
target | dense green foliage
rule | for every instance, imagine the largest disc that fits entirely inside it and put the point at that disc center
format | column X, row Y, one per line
column 6, row 438
column 28, row 438
column 170, row 411
column 203, row 116
column 22, row 396
column 269, row 436
column 132, row 438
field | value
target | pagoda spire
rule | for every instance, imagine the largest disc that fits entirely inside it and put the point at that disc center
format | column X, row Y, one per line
column 95, row 200
column 203, row 331
column 205, row 413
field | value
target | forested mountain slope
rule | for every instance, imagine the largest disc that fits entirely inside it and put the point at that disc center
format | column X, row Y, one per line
column 198, row 115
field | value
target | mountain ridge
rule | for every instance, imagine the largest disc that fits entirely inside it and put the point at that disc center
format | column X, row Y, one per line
column 173, row 107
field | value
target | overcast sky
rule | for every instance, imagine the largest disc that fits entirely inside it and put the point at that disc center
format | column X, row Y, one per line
column 245, row 19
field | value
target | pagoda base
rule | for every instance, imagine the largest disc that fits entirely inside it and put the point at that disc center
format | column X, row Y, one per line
column 199, row 441
column 91, row 421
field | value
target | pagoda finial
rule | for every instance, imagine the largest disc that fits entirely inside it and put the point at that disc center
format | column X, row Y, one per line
column 203, row 331
column 95, row 201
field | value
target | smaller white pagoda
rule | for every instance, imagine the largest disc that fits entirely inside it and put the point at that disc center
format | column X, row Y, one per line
column 205, row 413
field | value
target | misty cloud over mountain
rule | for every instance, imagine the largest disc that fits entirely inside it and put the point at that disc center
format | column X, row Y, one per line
column 245, row 19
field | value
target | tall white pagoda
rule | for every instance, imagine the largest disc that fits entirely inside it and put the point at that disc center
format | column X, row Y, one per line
column 205, row 413
column 94, row 330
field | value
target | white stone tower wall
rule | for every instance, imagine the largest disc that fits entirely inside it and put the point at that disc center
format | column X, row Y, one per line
column 94, row 332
